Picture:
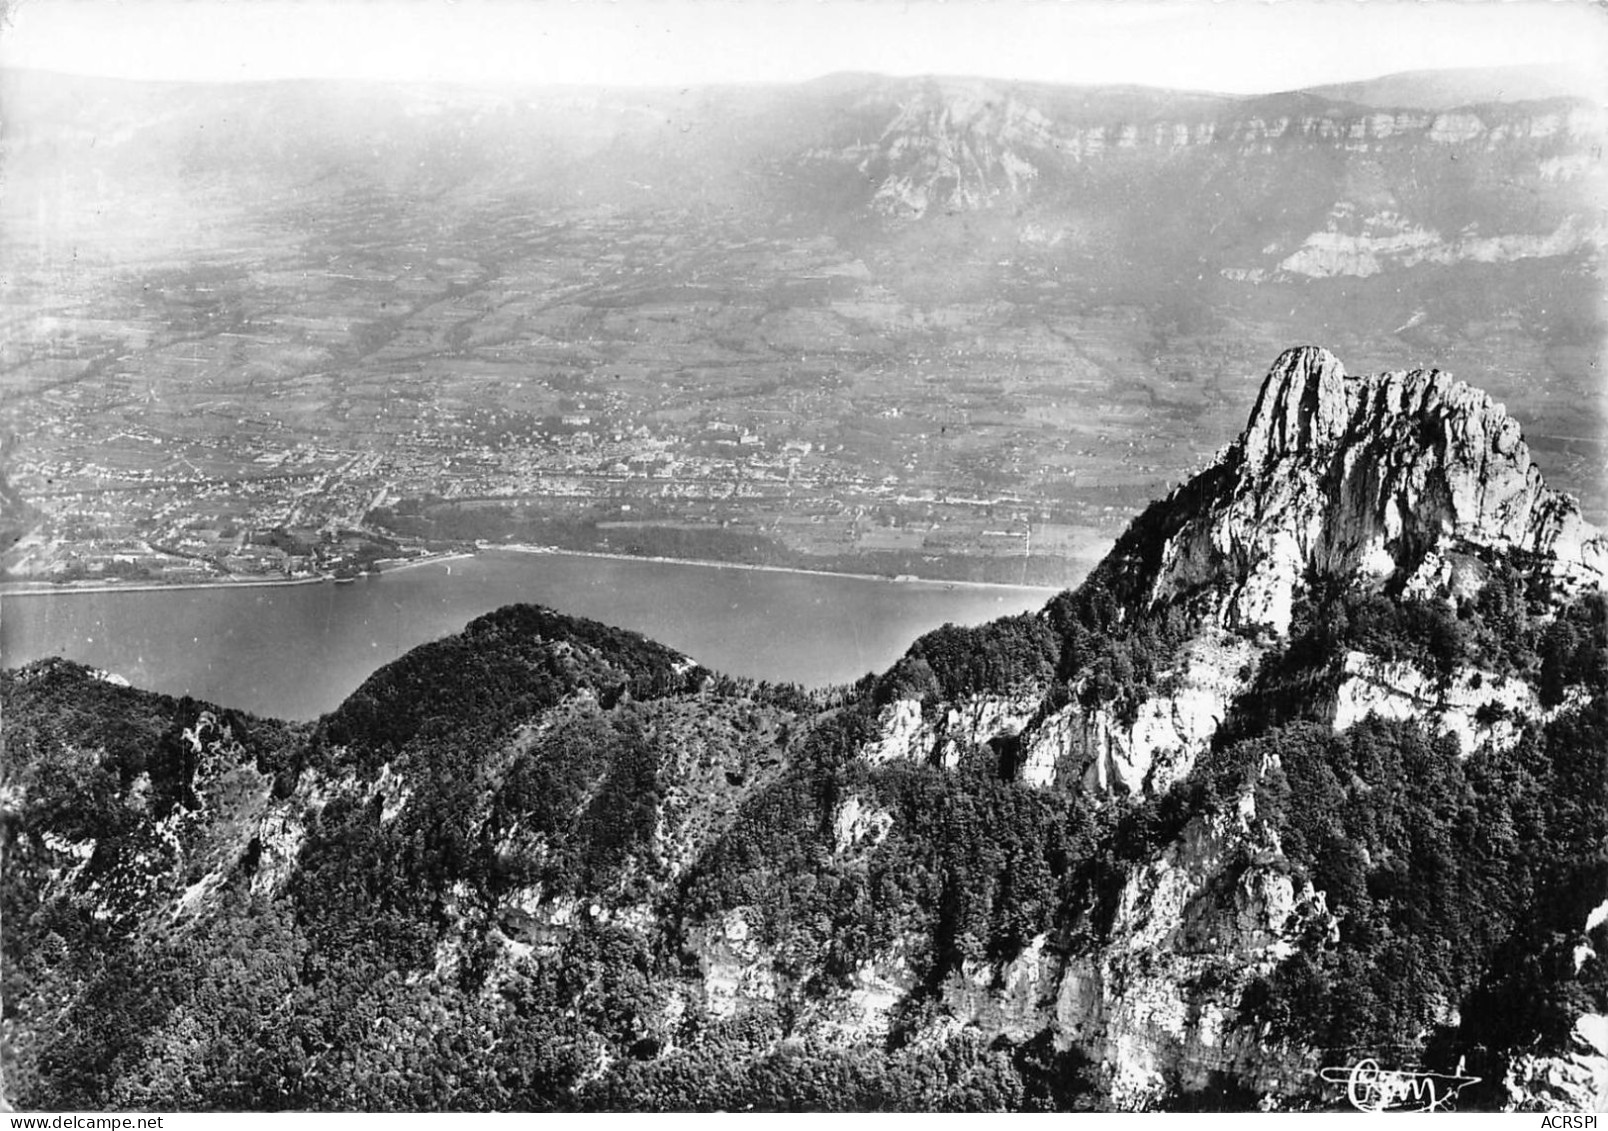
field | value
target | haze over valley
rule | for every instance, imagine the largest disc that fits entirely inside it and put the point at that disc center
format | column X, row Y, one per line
column 949, row 328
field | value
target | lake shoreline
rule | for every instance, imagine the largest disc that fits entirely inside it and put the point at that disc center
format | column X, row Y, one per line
column 154, row 587
column 396, row 565
column 45, row 589
column 706, row 563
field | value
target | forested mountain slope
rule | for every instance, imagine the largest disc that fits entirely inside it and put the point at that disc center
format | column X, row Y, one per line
column 1310, row 769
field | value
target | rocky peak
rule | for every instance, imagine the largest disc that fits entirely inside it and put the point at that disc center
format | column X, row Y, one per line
column 1302, row 406
column 1400, row 478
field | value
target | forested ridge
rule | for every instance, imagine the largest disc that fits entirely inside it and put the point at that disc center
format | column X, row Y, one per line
column 503, row 874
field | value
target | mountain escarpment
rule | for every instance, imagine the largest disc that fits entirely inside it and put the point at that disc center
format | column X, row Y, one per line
column 1310, row 769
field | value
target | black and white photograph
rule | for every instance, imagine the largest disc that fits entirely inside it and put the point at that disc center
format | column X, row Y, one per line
column 867, row 556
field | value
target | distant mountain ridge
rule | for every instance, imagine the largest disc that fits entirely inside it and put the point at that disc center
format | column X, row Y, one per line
column 1247, row 801
column 299, row 122
column 1464, row 86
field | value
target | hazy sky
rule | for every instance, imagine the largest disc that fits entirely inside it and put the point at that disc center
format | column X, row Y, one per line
column 1225, row 45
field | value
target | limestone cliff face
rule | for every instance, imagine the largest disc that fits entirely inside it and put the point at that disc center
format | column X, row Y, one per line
column 941, row 735
column 946, row 146
column 1101, row 748
column 1111, row 752
column 1160, row 1004
column 1388, row 477
column 1475, row 706
column 736, row 971
column 1388, row 241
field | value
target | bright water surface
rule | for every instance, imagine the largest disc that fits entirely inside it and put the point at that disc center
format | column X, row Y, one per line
column 296, row 651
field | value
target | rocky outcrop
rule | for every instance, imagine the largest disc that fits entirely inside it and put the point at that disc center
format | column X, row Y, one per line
column 1385, row 241
column 1158, row 1008
column 903, row 735
column 876, row 988
column 1383, row 477
column 736, row 970
column 1015, row 998
column 907, row 730
column 1573, row 1081
column 1108, row 752
column 1477, row 707
column 857, row 825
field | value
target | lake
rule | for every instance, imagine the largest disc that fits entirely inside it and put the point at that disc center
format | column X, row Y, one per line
column 296, row 651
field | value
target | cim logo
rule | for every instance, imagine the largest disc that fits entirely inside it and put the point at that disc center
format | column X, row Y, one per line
column 1372, row 1088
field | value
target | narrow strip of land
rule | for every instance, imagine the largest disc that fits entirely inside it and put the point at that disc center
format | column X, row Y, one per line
column 35, row 589
column 522, row 548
